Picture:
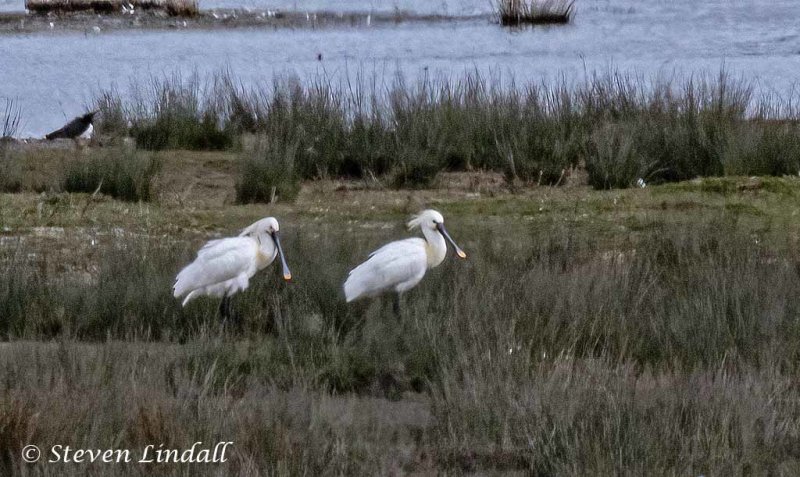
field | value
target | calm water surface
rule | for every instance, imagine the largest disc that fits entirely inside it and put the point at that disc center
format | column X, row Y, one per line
column 53, row 75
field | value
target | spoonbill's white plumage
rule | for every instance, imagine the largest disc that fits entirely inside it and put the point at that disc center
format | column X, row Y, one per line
column 399, row 266
column 224, row 267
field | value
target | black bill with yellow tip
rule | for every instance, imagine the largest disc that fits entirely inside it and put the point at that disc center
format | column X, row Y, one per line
column 287, row 274
column 443, row 231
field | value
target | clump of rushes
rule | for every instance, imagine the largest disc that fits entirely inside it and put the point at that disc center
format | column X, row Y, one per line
column 534, row 12
column 267, row 173
column 122, row 173
column 611, row 159
column 12, row 117
column 112, row 120
column 10, row 174
column 764, row 148
column 174, row 113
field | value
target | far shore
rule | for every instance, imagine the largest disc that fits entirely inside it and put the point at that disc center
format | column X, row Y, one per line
column 93, row 23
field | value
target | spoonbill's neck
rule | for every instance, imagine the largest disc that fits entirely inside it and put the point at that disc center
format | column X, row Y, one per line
column 436, row 247
column 267, row 250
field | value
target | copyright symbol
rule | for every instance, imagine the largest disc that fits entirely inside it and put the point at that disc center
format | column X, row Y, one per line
column 31, row 454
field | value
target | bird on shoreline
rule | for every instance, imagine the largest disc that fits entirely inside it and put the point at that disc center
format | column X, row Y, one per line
column 75, row 128
column 399, row 266
column 224, row 267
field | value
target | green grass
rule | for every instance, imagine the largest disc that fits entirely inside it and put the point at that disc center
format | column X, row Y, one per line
column 10, row 173
column 122, row 173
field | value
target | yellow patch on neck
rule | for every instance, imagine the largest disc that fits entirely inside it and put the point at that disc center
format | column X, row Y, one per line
column 262, row 259
column 429, row 254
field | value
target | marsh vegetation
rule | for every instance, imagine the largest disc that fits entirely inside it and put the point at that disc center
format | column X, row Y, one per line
column 647, row 331
column 644, row 331
column 617, row 128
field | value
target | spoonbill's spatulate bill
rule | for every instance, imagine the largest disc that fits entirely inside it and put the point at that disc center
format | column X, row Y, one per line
column 399, row 266
column 224, row 267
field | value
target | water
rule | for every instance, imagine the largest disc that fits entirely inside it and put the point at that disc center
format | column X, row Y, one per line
column 54, row 76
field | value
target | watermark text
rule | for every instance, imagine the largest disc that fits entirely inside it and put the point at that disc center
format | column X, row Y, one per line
column 197, row 453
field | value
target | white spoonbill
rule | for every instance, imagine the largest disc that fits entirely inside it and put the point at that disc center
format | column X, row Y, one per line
column 224, row 267
column 399, row 266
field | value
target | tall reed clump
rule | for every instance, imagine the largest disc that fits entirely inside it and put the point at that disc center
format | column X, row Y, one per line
column 313, row 118
column 173, row 113
column 764, row 147
column 113, row 120
column 534, row 12
column 268, row 173
column 121, row 173
column 661, row 132
column 10, row 174
column 12, row 119
column 769, row 143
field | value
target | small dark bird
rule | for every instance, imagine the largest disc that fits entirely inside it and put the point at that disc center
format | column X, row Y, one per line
column 74, row 128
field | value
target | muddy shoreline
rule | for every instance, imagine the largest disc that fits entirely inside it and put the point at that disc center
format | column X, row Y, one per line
column 92, row 23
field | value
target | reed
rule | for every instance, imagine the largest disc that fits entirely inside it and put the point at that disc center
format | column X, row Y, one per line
column 10, row 170
column 534, row 12
column 268, row 173
column 11, row 119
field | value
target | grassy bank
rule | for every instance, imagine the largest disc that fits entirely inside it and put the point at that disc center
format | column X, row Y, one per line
column 641, row 331
column 618, row 128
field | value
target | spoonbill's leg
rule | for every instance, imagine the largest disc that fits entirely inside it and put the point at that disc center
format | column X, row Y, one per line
column 396, row 307
column 225, row 308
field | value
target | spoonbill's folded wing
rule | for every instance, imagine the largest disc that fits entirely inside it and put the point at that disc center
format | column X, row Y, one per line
column 218, row 261
column 395, row 266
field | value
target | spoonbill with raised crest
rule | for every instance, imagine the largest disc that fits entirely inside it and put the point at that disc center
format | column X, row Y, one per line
column 399, row 266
